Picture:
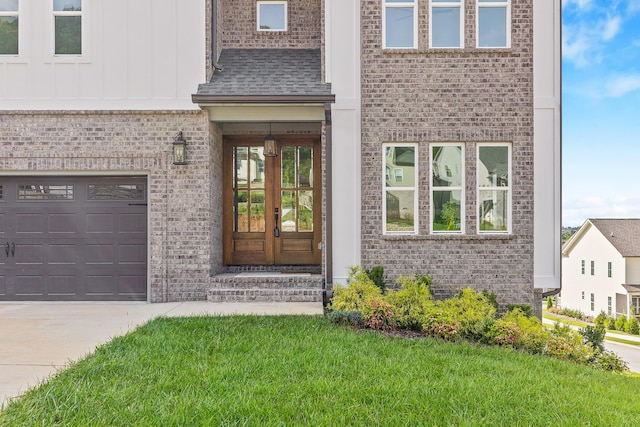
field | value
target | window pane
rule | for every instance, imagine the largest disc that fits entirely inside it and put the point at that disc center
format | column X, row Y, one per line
column 445, row 27
column 67, row 5
column 68, row 35
column 447, row 166
column 289, row 215
column 494, row 167
column 272, row 17
column 493, row 207
column 241, row 207
column 399, row 27
column 115, row 192
column 256, row 167
column 446, row 210
column 400, row 166
column 257, row 211
column 288, row 167
column 8, row 5
column 492, row 27
column 305, row 174
column 8, row 35
column 305, row 203
column 45, row 192
column 400, row 208
column 241, row 176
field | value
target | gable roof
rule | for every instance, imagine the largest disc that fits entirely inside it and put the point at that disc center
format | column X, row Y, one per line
column 623, row 234
column 267, row 75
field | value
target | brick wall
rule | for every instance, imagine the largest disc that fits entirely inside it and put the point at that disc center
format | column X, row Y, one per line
column 455, row 95
column 239, row 26
column 181, row 205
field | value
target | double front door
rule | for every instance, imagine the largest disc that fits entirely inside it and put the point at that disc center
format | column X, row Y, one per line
column 272, row 204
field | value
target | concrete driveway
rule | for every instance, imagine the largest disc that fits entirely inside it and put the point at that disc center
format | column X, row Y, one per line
column 38, row 339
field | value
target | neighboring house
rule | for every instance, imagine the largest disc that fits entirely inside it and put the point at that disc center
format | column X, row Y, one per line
column 320, row 134
column 601, row 268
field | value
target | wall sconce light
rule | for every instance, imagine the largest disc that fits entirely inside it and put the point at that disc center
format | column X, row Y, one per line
column 179, row 150
column 270, row 145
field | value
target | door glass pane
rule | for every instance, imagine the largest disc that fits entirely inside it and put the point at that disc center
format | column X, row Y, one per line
column 305, row 176
column 256, row 167
column 241, row 208
column 493, row 210
column 9, row 35
column 400, row 208
column 68, row 32
column 446, row 210
column 67, row 5
column 257, row 211
column 288, row 201
column 288, row 167
column 241, row 175
column 305, row 203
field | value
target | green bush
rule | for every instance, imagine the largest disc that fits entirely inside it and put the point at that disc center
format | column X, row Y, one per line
column 472, row 309
column 533, row 336
column 576, row 314
column 621, row 323
column 594, row 335
column 491, row 298
column 549, row 302
column 600, row 319
column 609, row 361
column 412, row 301
column 351, row 318
column 525, row 308
column 360, row 289
column 376, row 274
column 632, row 326
column 610, row 323
column 378, row 314
column 503, row 333
column 566, row 344
column 441, row 325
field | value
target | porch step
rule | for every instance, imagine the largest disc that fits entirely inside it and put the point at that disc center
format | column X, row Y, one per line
column 265, row 287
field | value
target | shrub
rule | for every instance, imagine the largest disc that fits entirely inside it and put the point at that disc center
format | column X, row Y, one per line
column 441, row 325
column 503, row 333
column 594, row 335
column 473, row 311
column 525, row 308
column 533, row 336
column 600, row 319
column 576, row 314
column 412, row 301
column 621, row 323
column 376, row 274
column 549, row 302
column 491, row 298
column 378, row 314
column 609, row 361
column 555, row 310
column 566, row 344
column 351, row 318
column 632, row 326
column 353, row 297
column 610, row 323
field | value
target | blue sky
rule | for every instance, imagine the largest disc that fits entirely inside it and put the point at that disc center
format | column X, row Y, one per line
column 601, row 110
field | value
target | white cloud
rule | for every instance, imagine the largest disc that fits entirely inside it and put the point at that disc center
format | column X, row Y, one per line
column 622, row 85
column 580, row 4
column 633, row 6
column 575, row 212
column 611, row 27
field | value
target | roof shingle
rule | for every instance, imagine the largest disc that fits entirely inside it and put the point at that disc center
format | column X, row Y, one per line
column 624, row 234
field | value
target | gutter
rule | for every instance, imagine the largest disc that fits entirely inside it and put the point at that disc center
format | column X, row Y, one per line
column 262, row 99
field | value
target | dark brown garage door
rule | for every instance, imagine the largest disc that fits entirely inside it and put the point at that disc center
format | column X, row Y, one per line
column 73, row 238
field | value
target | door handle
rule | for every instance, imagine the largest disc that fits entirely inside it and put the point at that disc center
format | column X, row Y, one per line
column 276, row 231
column 6, row 249
column 13, row 249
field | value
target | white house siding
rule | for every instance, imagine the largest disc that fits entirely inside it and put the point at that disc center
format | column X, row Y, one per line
column 592, row 246
column 632, row 271
column 137, row 54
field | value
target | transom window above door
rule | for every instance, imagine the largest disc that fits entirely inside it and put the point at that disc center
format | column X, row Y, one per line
column 272, row 16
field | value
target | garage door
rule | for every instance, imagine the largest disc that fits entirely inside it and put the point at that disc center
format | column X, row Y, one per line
column 73, row 239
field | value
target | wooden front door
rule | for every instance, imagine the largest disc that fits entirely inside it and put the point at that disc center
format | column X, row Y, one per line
column 272, row 205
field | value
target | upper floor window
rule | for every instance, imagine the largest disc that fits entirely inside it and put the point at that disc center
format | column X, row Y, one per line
column 272, row 16
column 493, row 23
column 8, row 27
column 399, row 200
column 609, row 269
column 446, row 24
column 399, row 24
column 447, row 188
column 494, row 188
column 67, row 16
column 582, row 266
column 593, row 268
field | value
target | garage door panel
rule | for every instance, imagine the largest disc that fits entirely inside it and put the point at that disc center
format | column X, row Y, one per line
column 100, row 285
column 3, row 286
column 100, row 223
column 63, row 285
column 132, row 254
column 3, row 223
column 29, row 223
column 32, row 285
column 29, row 254
column 100, row 254
column 132, row 285
column 62, row 254
column 65, row 223
column 132, row 223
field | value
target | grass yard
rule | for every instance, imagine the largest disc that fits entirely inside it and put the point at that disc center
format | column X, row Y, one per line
column 264, row 371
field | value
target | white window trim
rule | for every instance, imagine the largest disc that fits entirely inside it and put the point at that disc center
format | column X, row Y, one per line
column 414, row 188
column 412, row 4
column 433, row 5
column 71, row 58
column 286, row 16
column 508, row 189
column 454, row 188
column 495, row 4
column 12, row 57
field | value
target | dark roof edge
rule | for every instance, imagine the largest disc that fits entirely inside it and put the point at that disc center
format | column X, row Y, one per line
column 262, row 99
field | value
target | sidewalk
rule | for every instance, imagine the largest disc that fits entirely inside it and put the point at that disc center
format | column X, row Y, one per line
column 633, row 338
column 40, row 338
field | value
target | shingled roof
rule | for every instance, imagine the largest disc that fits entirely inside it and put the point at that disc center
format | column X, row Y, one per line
column 624, row 234
column 287, row 73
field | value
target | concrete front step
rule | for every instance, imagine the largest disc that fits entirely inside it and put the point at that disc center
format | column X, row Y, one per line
column 265, row 287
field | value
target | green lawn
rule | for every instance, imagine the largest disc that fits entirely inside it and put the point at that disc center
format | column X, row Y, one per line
column 257, row 371
column 565, row 320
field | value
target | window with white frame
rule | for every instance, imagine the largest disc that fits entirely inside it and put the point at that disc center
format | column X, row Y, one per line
column 9, row 11
column 609, row 269
column 593, row 302
column 399, row 200
column 493, row 23
column 593, row 268
column 446, row 29
column 582, row 266
column 582, row 294
column 635, row 304
column 447, row 188
column 609, row 308
column 67, row 18
column 399, row 24
column 494, row 187
column 272, row 15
